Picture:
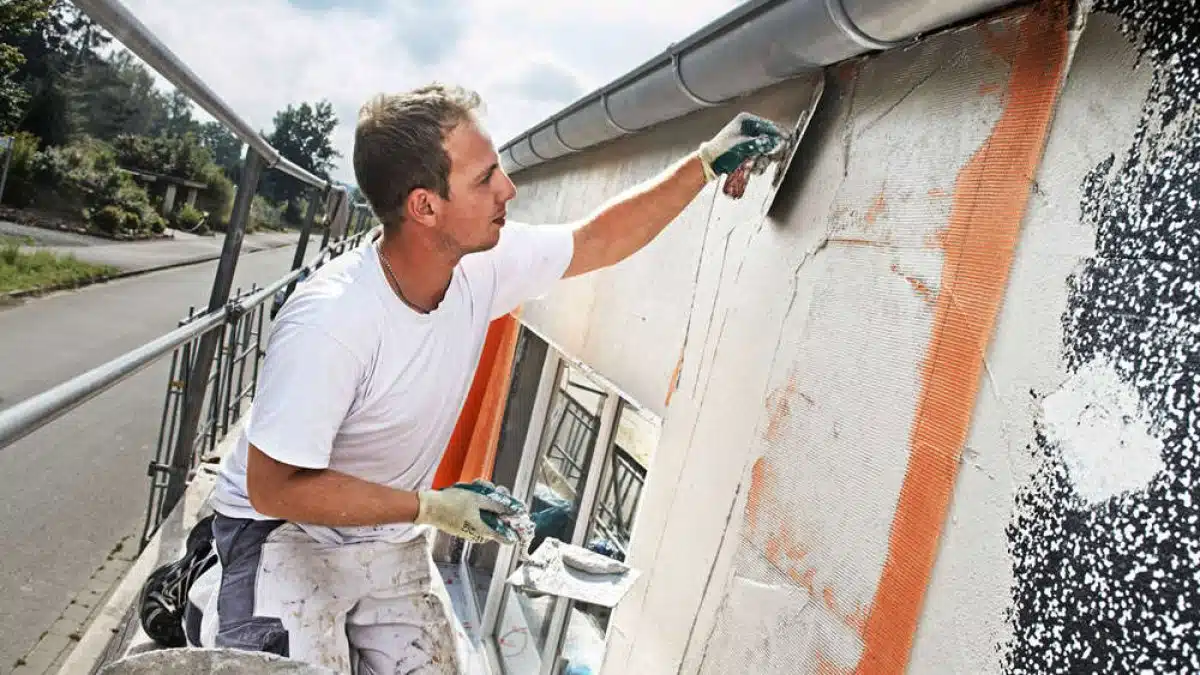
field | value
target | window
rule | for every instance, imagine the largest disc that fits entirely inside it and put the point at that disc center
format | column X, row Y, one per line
column 586, row 453
column 609, row 532
column 479, row 561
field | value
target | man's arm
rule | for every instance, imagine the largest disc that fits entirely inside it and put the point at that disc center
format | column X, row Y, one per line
column 305, row 390
column 627, row 223
column 323, row 496
column 624, row 225
column 334, row 499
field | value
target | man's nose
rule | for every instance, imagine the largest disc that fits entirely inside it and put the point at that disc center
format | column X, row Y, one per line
column 508, row 189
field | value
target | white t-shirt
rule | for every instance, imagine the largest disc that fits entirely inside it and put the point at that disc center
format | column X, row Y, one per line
column 357, row 381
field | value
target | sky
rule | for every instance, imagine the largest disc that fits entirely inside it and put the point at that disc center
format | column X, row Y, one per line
column 527, row 58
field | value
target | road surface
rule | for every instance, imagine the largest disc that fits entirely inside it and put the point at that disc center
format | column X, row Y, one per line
column 142, row 255
column 73, row 489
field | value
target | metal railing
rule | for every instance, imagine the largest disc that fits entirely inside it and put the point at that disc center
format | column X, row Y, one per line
column 202, row 335
column 574, row 435
column 575, row 429
column 230, row 385
column 619, row 502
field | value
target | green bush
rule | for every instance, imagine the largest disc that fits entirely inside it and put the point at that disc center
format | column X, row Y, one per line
column 188, row 218
column 20, row 189
column 178, row 156
column 86, row 177
column 110, row 219
column 217, row 199
column 132, row 222
column 64, row 176
column 117, row 189
column 264, row 214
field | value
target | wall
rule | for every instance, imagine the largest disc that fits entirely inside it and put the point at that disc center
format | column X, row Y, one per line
column 939, row 407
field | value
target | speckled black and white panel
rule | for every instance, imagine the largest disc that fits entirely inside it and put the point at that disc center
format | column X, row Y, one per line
column 1105, row 541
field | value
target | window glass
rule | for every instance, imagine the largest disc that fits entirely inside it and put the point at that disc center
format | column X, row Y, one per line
column 634, row 440
column 569, row 438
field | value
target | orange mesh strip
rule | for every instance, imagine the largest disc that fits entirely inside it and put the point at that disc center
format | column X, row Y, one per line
column 471, row 452
column 990, row 199
column 481, row 453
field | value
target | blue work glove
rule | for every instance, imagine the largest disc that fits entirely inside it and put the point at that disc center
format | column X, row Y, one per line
column 746, row 137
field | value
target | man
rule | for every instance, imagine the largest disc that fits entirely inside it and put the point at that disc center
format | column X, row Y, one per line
column 323, row 512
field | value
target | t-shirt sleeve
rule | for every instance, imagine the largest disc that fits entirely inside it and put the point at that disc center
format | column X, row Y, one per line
column 527, row 261
column 308, row 382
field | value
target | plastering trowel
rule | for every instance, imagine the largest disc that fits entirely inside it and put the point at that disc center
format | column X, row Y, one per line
column 781, row 157
column 574, row 572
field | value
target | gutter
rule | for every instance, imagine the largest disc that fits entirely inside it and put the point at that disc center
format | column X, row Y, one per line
column 756, row 45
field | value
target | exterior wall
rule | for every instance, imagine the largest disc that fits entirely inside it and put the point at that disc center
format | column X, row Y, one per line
column 939, row 407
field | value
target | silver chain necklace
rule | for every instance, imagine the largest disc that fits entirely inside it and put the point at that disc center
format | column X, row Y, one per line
column 395, row 283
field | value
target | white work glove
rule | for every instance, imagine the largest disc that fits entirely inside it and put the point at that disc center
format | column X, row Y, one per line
column 745, row 137
column 470, row 511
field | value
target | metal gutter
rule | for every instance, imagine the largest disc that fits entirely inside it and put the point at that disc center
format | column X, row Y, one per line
column 757, row 44
column 135, row 36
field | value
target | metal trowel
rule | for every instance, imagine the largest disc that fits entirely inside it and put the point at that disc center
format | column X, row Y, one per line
column 570, row 571
column 736, row 182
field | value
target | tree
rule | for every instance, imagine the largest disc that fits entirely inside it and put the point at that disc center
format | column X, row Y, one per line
column 60, row 42
column 178, row 120
column 18, row 19
column 117, row 97
column 302, row 134
column 226, row 149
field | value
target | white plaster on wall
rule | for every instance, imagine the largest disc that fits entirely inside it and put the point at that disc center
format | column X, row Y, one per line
column 1100, row 425
column 778, row 628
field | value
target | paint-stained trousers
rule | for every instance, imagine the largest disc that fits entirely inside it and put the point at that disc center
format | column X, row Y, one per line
column 365, row 608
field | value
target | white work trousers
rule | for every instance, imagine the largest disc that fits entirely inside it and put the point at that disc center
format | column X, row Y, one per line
column 364, row 609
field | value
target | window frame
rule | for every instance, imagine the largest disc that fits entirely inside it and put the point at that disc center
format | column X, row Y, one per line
column 598, row 461
column 506, row 558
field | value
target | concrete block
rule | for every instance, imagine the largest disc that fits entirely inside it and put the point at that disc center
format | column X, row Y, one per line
column 65, row 627
column 99, row 587
column 77, row 614
column 47, row 652
column 112, row 571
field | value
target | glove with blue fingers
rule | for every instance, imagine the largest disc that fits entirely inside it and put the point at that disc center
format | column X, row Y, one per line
column 473, row 511
column 747, row 137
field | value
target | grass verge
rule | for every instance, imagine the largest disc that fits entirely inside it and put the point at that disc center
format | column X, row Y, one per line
column 29, row 270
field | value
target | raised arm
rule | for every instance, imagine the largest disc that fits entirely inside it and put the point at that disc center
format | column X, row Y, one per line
column 625, row 224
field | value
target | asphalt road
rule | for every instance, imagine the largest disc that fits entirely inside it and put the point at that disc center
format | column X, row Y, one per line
column 71, row 490
column 141, row 255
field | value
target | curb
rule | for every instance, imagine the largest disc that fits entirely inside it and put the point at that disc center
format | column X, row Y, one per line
column 71, row 285
column 115, row 631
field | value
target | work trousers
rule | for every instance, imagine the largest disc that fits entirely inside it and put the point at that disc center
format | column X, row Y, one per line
column 364, row 608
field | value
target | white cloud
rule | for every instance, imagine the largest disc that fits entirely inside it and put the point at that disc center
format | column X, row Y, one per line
column 527, row 58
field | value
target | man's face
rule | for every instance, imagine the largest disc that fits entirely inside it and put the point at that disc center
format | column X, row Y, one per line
column 471, row 219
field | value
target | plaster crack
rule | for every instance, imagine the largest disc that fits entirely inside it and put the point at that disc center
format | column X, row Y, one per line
column 848, row 134
column 749, row 244
column 716, row 301
column 820, row 246
column 687, row 329
column 687, row 646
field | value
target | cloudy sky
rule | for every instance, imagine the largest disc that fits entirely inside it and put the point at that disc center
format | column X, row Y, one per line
column 528, row 58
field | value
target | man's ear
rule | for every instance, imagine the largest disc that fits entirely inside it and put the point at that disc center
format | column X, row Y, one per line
column 420, row 207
